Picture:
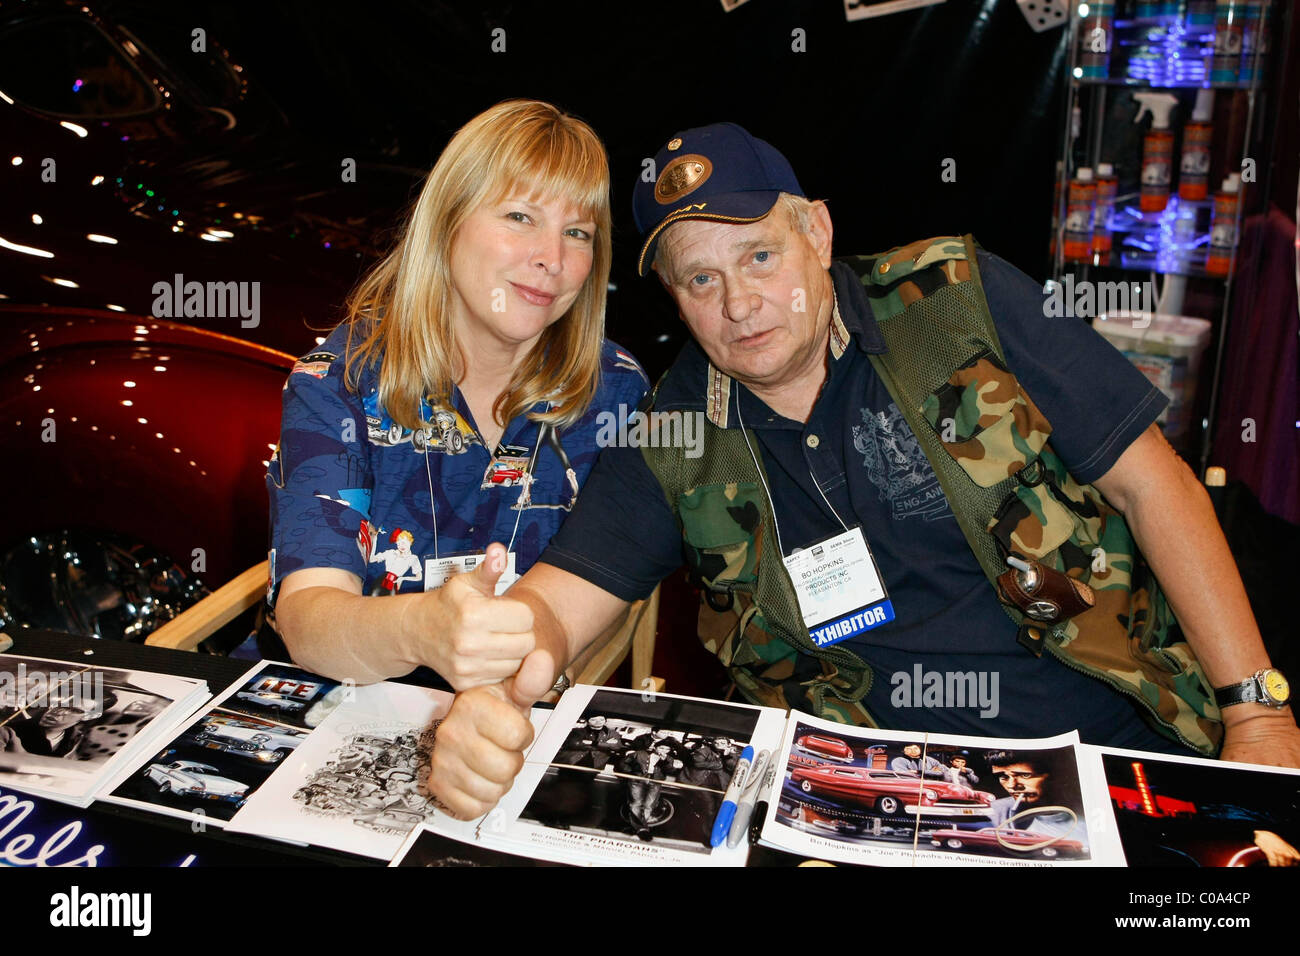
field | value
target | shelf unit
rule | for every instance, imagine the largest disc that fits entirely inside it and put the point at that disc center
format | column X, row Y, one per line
column 1150, row 245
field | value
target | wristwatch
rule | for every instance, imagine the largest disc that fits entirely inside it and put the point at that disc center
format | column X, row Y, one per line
column 1268, row 686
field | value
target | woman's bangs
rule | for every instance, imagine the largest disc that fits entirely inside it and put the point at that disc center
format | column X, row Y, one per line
column 555, row 163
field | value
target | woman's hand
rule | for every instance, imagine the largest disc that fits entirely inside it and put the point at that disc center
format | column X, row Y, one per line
column 479, row 747
column 466, row 633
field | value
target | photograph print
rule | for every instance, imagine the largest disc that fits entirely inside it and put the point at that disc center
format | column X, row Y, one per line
column 885, row 800
column 643, row 769
column 61, row 723
column 212, row 767
column 287, row 695
column 1200, row 813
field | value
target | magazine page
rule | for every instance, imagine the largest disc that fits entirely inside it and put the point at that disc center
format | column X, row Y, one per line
column 625, row 777
column 67, row 728
column 357, row 781
column 1189, row 811
column 896, row 798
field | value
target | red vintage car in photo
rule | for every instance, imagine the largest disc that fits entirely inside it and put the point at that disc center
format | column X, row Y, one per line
column 504, row 474
column 1004, row 838
column 888, row 792
column 831, row 748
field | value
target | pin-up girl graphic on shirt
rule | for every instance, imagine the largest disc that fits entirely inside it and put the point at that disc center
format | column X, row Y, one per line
column 399, row 563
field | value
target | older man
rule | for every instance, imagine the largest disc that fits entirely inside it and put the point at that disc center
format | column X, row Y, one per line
column 878, row 495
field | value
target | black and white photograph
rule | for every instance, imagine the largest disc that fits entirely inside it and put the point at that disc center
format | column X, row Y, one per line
column 61, row 724
column 426, row 848
column 356, row 782
column 636, row 777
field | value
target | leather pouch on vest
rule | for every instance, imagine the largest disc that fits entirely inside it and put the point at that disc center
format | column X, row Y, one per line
column 1045, row 594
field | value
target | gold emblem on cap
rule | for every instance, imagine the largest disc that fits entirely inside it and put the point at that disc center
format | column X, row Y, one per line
column 675, row 143
column 682, row 176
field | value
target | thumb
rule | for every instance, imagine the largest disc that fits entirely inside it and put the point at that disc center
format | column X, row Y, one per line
column 534, row 680
column 484, row 577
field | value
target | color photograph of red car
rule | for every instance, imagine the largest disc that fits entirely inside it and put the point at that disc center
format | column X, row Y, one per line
column 831, row 748
column 1003, row 838
column 888, row 792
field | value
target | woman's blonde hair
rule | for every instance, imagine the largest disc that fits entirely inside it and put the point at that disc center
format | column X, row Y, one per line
column 402, row 309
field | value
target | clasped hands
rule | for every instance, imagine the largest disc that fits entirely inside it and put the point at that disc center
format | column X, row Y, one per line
column 485, row 647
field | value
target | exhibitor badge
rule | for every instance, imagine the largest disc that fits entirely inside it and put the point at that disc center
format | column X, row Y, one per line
column 839, row 589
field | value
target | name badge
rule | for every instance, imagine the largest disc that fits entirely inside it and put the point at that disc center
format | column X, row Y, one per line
column 839, row 589
column 438, row 570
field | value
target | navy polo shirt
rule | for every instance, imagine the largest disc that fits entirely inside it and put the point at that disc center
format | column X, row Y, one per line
column 856, row 445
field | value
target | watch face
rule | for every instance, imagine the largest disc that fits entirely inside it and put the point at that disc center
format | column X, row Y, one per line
column 1276, row 686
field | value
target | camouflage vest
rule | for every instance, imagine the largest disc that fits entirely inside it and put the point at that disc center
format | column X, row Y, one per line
column 988, row 445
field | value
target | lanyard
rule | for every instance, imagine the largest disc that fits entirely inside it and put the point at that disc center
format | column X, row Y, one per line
column 770, row 500
column 524, row 486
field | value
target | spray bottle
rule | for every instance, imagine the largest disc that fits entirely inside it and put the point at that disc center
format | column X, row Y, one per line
column 1223, row 228
column 1078, row 216
column 1107, row 187
column 1225, row 66
column 1157, row 149
column 1194, row 170
column 1095, row 38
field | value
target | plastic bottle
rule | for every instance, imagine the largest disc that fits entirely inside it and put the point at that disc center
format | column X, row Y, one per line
column 1223, row 227
column 1200, row 16
column 1107, row 187
column 1194, row 169
column 1081, row 202
column 1096, row 35
column 1225, row 67
column 1157, row 149
column 1256, row 25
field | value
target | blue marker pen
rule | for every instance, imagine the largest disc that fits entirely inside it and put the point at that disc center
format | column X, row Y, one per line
column 727, row 811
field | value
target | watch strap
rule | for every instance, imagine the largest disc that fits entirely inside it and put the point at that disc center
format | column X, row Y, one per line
column 1244, row 693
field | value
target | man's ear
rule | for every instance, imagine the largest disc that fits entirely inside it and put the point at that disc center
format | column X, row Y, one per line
column 821, row 231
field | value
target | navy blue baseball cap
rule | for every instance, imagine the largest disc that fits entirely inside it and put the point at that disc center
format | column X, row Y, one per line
column 718, row 172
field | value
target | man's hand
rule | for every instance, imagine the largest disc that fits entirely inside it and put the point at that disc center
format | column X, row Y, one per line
column 1276, row 850
column 466, row 633
column 1270, row 739
column 480, row 744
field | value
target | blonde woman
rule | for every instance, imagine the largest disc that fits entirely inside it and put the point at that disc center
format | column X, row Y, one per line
column 457, row 406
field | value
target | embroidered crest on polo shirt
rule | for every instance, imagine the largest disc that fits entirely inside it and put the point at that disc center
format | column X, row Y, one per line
column 897, row 466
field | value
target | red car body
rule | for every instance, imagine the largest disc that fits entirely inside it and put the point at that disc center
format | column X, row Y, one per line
column 142, row 427
column 889, row 792
column 1022, row 841
column 506, row 476
column 832, row 748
